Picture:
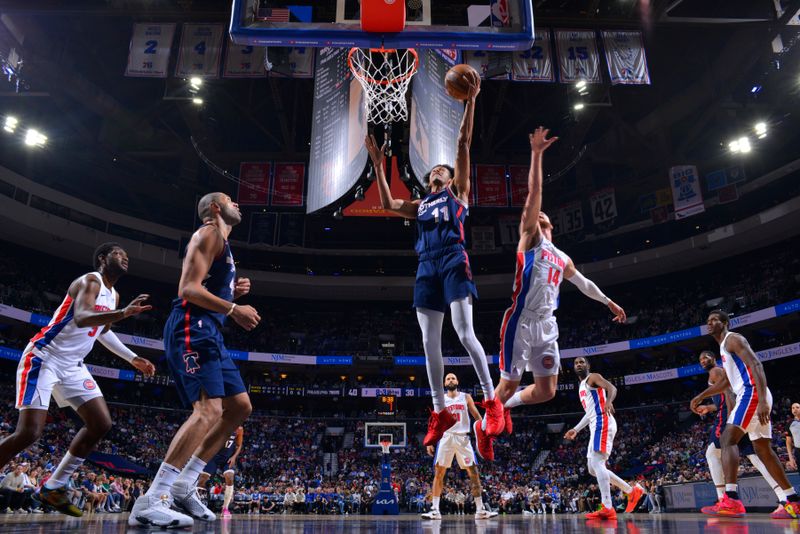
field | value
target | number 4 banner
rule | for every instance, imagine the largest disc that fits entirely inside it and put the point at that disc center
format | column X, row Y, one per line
column 150, row 48
column 604, row 205
column 577, row 56
column 200, row 50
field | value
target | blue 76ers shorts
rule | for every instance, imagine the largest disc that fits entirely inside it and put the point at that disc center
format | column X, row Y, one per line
column 442, row 277
column 197, row 357
column 745, row 445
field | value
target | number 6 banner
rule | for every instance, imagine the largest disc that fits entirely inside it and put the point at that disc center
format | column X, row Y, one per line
column 577, row 56
column 150, row 47
column 201, row 46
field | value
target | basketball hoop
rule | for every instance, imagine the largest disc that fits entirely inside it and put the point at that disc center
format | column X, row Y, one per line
column 385, row 445
column 384, row 74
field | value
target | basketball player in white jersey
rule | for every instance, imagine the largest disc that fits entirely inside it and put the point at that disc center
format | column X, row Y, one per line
column 52, row 365
column 744, row 375
column 455, row 443
column 597, row 397
column 529, row 333
column 723, row 405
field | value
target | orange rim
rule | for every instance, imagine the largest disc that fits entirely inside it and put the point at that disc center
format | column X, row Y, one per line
column 358, row 74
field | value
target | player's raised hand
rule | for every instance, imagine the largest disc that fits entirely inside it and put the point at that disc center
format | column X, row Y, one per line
column 430, row 450
column 619, row 314
column 571, row 434
column 245, row 316
column 241, row 288
column 376, row 153
column 143, row 365
column 137, row 306
column 474, row 80
column 539, row 141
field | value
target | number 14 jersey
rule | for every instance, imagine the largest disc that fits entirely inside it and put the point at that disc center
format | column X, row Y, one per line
column 538, row 277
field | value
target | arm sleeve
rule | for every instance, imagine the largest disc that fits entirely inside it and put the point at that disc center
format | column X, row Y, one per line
column 583, row 422
column 588, row 288
column 111, row 342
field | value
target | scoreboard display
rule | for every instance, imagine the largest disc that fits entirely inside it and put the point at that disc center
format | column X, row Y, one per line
column 387, row 405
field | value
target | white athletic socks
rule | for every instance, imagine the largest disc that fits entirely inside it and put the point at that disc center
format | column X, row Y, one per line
column 228, row 496
column 65, row 468
column 758, row 464
column 715, row 467
column 430, row 322
column 732, row 487
column 461, row 314
column 191, row 471
column 435, row 505
column 515, row 400
column 162, row 483
column 478, row 503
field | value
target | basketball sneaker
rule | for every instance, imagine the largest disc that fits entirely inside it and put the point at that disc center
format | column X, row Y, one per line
column 186, row 499
column 157, row 511
column 782, row 512
column 485, row 514
column 57, row 498
column 603, row 513
column 508, row 424
column 711, row 510
column 433, row 514
column 495, row 419
column 438, row 423
column 484, row 443
column 633, row 498
column 226, row 513
column 731, row 507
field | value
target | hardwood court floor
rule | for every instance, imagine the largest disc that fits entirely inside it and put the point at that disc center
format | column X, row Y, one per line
column 402, row 524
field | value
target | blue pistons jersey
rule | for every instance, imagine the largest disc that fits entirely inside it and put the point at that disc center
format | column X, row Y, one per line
column 440, row 221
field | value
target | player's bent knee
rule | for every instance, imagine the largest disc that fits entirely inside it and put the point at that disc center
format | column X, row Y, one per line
column 28, row 435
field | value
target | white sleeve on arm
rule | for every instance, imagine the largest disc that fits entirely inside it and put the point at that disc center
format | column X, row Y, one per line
column 111, row 342
column 588, row 288
column 583, row 422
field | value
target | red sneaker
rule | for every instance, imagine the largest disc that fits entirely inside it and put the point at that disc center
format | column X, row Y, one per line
column 633, row 498
column 731, row 507
column 437, row 424
column 603, row 513
column 508, row 424
column 484, row 442
column 781, row 513
column 494, row 417
column 711, row 510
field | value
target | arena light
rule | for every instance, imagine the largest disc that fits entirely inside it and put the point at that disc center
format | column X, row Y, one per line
column 761, row 129
column 579, row 106
column 196, row 82
column 740, row 146
column 580, row 85
column 197, row 101
column 34, row 138
column 10, row 124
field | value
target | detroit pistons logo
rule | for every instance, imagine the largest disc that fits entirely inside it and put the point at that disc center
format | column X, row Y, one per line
column 548, row 362
column 192, row 361
column 89, row 385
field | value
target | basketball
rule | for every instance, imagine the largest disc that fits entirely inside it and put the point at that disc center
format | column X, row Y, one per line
column 456, row 81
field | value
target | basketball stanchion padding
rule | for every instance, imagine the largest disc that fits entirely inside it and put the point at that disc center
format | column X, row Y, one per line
column 383, row 16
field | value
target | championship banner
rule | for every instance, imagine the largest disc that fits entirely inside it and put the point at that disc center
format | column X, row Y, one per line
column 490, row 65
column 148, row 55
column 686, row 194
column 200, row 50
column 627, row 63
column 577, row 56
column 604, row 206
column 244, row 61
column 490, row 186
column 519, row 184
column 292, row 63
column 288, row 184
column 253, row 183
column 536, row 64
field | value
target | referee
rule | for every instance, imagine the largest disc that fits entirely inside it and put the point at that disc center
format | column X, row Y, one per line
column 793, row 437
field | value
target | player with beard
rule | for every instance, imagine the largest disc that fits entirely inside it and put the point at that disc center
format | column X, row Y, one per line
column 52, row 365
column 597, row 397
column 205, row 376
column 722, row 405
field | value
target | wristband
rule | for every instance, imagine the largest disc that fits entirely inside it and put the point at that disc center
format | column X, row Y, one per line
column 231, row 310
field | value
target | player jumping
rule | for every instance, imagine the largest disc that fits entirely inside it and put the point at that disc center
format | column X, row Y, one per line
column 444, row 277
column 225, row 459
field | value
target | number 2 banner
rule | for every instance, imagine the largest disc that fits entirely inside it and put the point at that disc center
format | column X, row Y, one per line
column 536, row 64
column 244, row 61
column 149, row 52
column 200, row 50
column 577, row 56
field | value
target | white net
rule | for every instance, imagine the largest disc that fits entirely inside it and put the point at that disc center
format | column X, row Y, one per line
column 384, row 74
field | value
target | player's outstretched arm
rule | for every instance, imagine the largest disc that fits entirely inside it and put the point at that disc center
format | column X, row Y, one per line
column 721, row 386
column 462, row 167
column 596, row 380
column 590, row 289
column 85, row 315
column 404, row 208
column 738, row 345
column 529, row 231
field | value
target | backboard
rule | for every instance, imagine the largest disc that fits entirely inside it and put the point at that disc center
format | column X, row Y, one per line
column 375, row 431
column 451, row 24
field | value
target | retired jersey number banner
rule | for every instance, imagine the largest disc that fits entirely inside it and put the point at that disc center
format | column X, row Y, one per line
column 536, row 64
column 253, row 183
column 490, row 182
column 150, row 48
column 568, row 219
column 244, row 61
column 519, row 184
column 686, row 194
column 627, row 63
column 604, row 206
column 490, row 65
column 288, row 184
column 577, row 56
column 200, row 50
column 297, row 62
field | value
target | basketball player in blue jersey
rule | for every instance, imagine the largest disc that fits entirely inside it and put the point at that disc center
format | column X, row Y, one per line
column 444, row 277
column 225, row 459
column 529, row 333
column 721, row 405
column 206, row 378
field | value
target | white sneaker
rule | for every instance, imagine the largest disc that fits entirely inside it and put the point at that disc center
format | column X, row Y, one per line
column 485, row 514
column 433, row 514
column 157, row 511
column 527, row 512
column 186, row 499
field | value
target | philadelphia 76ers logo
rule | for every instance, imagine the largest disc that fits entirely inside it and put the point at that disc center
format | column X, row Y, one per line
column 192, row 361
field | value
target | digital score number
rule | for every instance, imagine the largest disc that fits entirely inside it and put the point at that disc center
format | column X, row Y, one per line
column 387, row 405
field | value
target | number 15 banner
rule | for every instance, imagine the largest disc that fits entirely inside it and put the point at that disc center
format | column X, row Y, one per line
column 150, row 47
column 201, row 46
column 577, row 56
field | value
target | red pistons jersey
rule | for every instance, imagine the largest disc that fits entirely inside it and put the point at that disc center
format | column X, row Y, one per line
column 458, row 407
column 62, row 338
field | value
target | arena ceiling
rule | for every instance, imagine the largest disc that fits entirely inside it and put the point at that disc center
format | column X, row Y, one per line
column 127, row 141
